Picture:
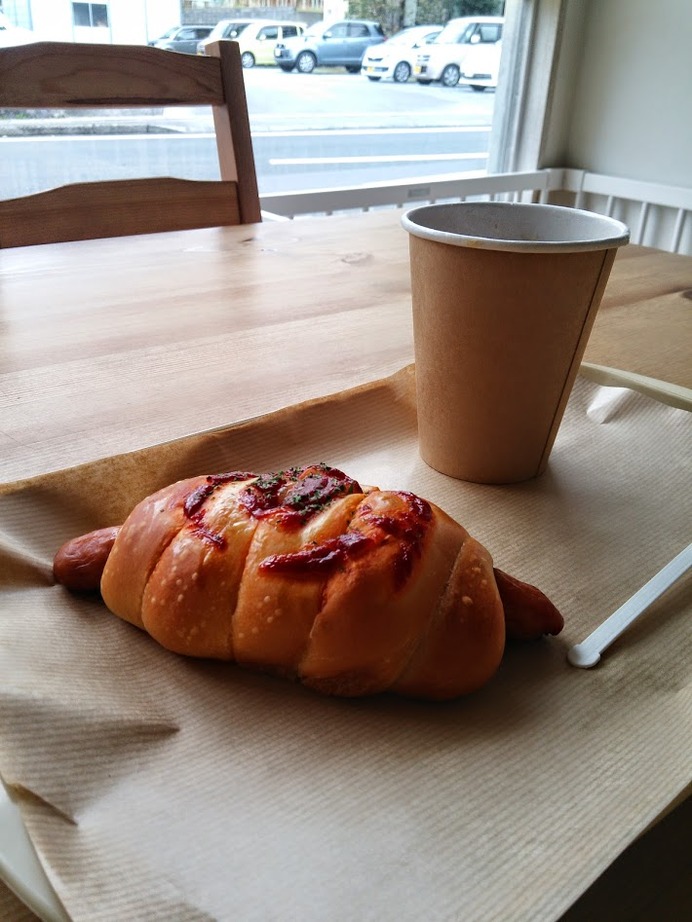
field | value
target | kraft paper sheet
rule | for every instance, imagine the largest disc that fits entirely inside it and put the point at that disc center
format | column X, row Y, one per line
column 156, row 787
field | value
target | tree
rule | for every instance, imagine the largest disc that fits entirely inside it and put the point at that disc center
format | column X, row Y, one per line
column 394, row 14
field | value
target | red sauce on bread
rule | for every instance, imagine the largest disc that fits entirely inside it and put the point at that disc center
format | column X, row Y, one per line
column 193, row 507
column 194, row 502
column 296, row 495
column 408, row 526
column 319, row 559
column 292, row 497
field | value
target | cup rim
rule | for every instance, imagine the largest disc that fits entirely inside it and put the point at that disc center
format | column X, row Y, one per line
column 613, row 232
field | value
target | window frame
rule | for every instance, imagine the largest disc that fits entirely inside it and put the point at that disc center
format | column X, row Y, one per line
column 524, row 97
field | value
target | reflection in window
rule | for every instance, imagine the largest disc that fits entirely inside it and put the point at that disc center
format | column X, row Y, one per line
column 90, row 14
column 490, row 32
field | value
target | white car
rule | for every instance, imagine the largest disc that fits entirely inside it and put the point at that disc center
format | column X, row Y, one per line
column 11, row 35
column 443, row 59
column 396, row 57
column 224, row 28
column 481, row 67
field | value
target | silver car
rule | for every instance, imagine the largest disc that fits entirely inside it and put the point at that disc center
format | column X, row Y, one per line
column 335, row 44
column 182, row 38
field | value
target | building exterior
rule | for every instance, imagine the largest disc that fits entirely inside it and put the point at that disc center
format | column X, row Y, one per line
column 211, row 11
column 140, row 21
column 109, row 22
column 304, row 10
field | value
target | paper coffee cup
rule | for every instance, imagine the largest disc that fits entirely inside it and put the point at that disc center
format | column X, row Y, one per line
column 504, row 297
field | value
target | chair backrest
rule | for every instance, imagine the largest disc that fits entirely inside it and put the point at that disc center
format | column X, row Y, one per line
column 63, row 75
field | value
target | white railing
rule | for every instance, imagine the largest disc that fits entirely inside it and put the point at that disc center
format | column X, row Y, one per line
column 657, row 215
column 399, row 194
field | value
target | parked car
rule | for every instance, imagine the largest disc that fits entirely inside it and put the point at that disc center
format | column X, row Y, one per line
column 335, row 44
column 396, row 57
column 225, row 28
column 258, row 40
column 442, row 59
column 481, row 67
column 182, row 38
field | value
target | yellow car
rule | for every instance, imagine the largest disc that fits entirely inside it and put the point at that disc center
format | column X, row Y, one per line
column 256, row 38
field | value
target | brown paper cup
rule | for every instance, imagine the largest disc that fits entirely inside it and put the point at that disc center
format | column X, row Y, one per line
column 504, row 298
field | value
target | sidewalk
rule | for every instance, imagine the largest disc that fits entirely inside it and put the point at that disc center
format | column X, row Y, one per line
column 190, row 121
column 141, row 122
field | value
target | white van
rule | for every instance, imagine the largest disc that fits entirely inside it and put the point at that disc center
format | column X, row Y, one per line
column 442, row 59
column 481, row 67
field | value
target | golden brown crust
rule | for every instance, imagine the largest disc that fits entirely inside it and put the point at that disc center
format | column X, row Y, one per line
column 374, row 612
column 276, row 611
column 306, row 574
column 149, row 529
column 468, row 627
column 192, row 591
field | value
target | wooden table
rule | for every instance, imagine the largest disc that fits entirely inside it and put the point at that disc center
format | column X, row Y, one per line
column 112, row 345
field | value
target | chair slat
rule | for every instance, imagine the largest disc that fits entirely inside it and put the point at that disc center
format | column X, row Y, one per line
column 46, row 75
column 86, row 211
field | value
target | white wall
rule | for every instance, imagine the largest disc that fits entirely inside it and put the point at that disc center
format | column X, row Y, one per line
column 52, row 20
column 130, row 21
column 138, row 21
column 623, row 93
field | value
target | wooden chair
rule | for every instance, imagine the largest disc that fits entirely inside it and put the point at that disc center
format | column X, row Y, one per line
column 57, row 75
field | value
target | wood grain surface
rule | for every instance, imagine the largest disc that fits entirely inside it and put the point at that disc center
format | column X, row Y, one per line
column 115, row 344
column 65, row 75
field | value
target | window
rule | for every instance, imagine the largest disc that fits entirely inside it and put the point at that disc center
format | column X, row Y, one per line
column 268, row 32
column 490, row 32
column 234, row 29
column 310, row 132
column 90, row 14
column 358, row 30
column 455, row 34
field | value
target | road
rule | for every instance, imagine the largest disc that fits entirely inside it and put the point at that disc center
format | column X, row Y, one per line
column 309, row 131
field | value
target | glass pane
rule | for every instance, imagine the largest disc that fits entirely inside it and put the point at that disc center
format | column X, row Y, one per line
column 328, row 128
column 81, row 14
column 99, row 14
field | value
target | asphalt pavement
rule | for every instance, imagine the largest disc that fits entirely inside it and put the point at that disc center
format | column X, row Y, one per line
column 309, row 131
column 283, row 102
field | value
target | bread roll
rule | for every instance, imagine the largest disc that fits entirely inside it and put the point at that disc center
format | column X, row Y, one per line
column 305, row 574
